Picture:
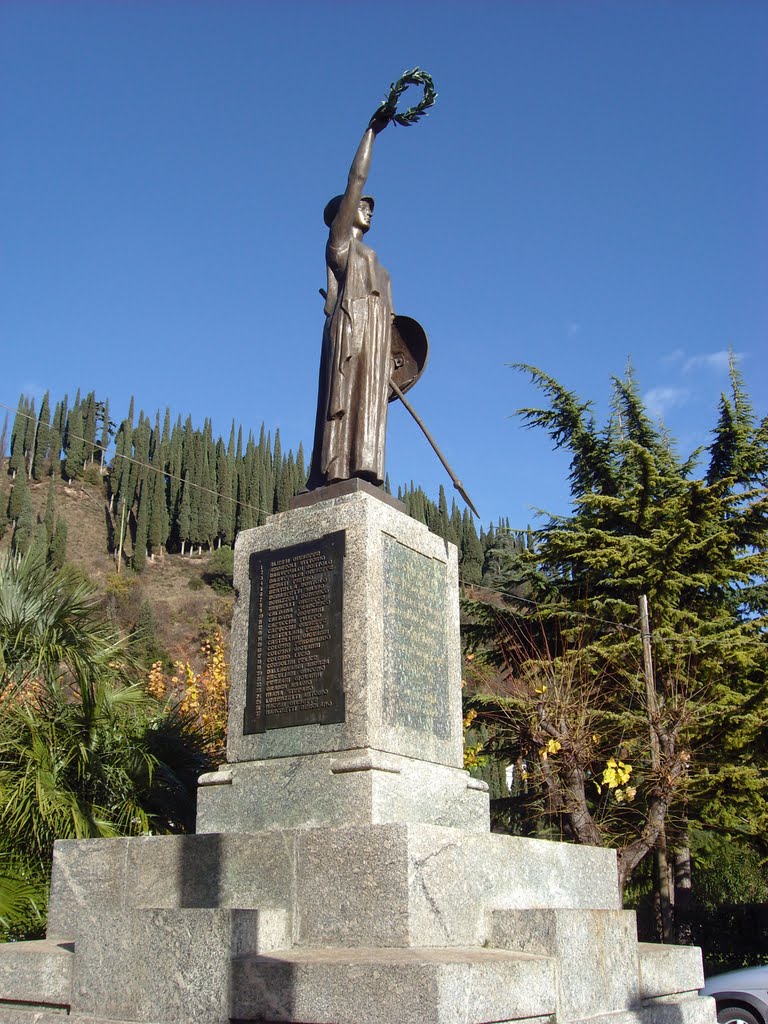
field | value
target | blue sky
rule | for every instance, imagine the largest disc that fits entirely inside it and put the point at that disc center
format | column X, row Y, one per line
column 589, row 188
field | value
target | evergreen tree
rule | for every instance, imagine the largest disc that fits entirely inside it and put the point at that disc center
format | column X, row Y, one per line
column 175, row 477
column 106, row 426
column 23, row 533
column 121, row 467
column 57, row 554
column 579, row 705
column 60, row 422
column 19, row 495
column 185, row 517
column 18, row 431
column 50, row 510
column 89, row 426
column 166, row 437
column 39, row 547
column 142, row 527
column 159, row 522
column 277, row 466
column 30, row 434
column 74, row 447
column 226, row 504
column 3, row 442
column 55, row 441
column 472, row 551
column 40, row 459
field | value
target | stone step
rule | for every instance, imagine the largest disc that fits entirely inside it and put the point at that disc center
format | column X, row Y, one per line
column 596, row 950
column 688, row 1010
column 38, row 974
column 383, row 986
column 168, row 964
column 667, row 970
column 24, row 1014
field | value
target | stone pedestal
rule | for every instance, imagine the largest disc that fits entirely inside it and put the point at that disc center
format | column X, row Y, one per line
column 343, row 871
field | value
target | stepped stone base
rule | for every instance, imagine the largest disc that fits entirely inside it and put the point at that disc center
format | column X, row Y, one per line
column 371, row 924
column 343, row 871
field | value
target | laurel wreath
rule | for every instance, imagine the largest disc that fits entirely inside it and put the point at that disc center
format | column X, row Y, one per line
column 388, row 108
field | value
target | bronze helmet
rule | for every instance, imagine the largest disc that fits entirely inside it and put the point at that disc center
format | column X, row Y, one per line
column 332, row 208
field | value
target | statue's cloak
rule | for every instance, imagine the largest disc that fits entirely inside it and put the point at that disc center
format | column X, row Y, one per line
column 355, row 368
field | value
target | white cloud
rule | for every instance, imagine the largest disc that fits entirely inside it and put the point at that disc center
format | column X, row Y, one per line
column 659, row 400
column 716, row 361
column 675, row 356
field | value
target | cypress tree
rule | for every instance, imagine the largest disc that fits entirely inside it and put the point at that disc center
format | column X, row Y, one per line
column 18, row 431
column 208, row 511
column 455, row 533
column 39, row 545
column 61, row 422
column 40, row 460
column 246, row 505
column 137, row 466
column 105, row 432
column 121, row 467
column 159, row 521
column 175, row 477
column 277, row 469
column 19, row 495
column 25, row 521
column 58, row 548
column 3, row 442
column 226, row 506
column 74, row 450
column 54, row 448
column 166, row 437
column 286, row 484
column 50, row 510
column 185, row 517
column 142, row 527
column 89, row 426
column 472, row 551
column 29, row 434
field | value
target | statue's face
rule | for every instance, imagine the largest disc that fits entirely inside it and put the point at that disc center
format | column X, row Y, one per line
column 364, row 214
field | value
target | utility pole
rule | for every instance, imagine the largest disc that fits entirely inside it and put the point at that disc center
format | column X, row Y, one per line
column 120, row 546
column 662, row 866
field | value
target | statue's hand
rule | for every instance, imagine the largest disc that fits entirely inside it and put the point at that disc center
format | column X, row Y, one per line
column 380, row 119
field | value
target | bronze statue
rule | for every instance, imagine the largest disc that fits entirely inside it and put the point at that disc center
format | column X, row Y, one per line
column 357, row 362
column 370, row 357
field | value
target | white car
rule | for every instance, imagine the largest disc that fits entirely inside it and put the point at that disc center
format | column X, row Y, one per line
column 741, row 996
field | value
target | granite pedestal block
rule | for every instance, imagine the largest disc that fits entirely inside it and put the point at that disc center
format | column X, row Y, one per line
column 343, row 871
column 400, row 648
column 351, row 787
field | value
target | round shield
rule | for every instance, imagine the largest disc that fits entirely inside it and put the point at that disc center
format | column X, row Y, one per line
column 410, row 350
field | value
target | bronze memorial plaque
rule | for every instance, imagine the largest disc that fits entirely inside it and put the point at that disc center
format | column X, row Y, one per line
column 294, row 636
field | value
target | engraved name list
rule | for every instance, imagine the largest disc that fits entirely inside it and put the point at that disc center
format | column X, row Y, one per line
column 294, row 636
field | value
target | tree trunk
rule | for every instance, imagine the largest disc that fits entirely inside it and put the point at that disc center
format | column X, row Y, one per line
column 663, row 891
column 682, row 868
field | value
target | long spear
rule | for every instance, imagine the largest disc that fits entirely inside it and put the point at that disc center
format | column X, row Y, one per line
column 456, row 482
